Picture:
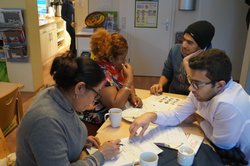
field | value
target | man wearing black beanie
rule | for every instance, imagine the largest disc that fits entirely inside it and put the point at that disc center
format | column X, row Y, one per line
column 197, row 37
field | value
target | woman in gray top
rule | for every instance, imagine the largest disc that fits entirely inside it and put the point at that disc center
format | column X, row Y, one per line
column 51, row 133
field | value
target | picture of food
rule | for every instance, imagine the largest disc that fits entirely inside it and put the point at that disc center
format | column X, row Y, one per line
column 95, row 19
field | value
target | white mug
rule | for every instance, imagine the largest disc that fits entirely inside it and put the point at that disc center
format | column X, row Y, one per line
column 115, row 116
column 148, row 159
column 185, row 156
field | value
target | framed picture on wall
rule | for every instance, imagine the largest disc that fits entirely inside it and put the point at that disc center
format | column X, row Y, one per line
column 146, row 13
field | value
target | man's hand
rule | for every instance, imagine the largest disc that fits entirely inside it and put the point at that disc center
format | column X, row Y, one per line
column 186, row 60
column 156, row 89
column 232, row 156
column 143, row 122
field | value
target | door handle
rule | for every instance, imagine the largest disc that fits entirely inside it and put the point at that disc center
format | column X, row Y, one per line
column 167, row 24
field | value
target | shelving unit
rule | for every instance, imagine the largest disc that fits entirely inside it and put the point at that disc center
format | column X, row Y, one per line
column 60, row 34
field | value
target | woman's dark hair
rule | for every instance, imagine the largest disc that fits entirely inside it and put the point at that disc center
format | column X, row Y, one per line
column 215, row 62
column 68, row 71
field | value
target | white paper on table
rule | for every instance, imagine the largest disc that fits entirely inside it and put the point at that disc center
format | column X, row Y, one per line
column 130, row 152
column 150, row 104
column 160, row 103
column 131, row 149
column 195, row 141
column 174, row 137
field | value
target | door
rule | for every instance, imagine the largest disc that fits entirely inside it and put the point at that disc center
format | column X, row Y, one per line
column 148, row 47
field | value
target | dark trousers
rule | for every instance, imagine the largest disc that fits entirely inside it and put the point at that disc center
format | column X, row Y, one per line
column 71, row 32
column 248, row 18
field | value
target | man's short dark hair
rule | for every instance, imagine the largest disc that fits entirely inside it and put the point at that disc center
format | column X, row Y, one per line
column 215, row 62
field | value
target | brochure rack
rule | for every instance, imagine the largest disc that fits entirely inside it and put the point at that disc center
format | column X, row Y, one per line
column 13, row 45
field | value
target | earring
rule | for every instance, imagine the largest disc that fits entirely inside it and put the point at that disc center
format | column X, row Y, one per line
column 76, row 96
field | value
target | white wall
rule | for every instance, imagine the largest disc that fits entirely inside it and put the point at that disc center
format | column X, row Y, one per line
column 101, row 5
column 228, row 17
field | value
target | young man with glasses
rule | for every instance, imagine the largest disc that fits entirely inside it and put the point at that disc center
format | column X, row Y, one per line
column 222, row 107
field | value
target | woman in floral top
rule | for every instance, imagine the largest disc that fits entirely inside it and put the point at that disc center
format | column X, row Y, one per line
column 110, row 51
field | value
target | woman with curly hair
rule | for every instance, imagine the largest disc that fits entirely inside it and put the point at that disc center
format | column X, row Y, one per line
column 110, row 51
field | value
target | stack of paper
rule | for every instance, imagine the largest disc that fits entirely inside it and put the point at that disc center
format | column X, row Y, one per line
column 172, row 137
column 130, row 152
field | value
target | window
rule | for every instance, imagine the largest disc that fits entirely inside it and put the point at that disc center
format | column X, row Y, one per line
column 42, row 7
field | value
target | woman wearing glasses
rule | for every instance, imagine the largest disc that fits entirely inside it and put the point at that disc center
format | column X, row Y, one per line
column 51, row 132
column 110, row 52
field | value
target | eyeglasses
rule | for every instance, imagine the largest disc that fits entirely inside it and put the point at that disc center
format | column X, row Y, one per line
column 97, row 97
column 197, row 85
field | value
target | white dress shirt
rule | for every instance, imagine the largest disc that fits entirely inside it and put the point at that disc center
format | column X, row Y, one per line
column 227, row 117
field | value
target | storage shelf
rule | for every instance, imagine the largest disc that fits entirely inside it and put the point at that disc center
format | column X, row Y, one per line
column 60, row 39
column 60, row 30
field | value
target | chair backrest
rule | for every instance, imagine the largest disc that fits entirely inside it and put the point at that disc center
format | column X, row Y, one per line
column 8, row 109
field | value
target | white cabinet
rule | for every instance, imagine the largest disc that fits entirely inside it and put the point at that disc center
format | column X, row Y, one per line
column 83, row 42
column 48, row 40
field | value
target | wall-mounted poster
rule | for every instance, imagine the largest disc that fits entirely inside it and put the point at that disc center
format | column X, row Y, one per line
column 146, row 13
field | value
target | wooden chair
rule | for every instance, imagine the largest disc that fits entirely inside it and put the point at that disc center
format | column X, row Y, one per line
column 11, row 111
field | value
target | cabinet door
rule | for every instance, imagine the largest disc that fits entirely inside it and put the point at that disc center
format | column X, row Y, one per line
column 53, row 42
column 45, row 45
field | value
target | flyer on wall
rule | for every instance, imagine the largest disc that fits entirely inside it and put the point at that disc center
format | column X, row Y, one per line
column 146, row 13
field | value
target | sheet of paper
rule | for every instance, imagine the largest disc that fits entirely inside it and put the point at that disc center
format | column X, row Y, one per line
column 160, row 103
column 151, row 104
column 195, row 142
column 130, row 152
column 174, row 137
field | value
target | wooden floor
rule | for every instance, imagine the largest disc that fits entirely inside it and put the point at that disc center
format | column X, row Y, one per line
column 141, row 82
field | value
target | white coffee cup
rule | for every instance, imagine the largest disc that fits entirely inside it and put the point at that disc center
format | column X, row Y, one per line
column 115, row 116
column 185, row 156
column 148, row 159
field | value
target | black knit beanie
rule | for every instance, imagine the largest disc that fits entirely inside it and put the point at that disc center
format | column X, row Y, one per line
column 202, row 32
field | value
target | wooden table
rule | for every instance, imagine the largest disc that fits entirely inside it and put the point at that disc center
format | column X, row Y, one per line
column 168, row 157
column 4, row 151
column 106, row 132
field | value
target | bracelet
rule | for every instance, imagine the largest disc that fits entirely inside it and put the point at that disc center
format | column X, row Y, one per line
column 127, row 88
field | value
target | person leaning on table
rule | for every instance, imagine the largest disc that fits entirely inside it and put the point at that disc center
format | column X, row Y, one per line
column 197, row 37
column 222, row 104
column 110, row 52
column 51, row 132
